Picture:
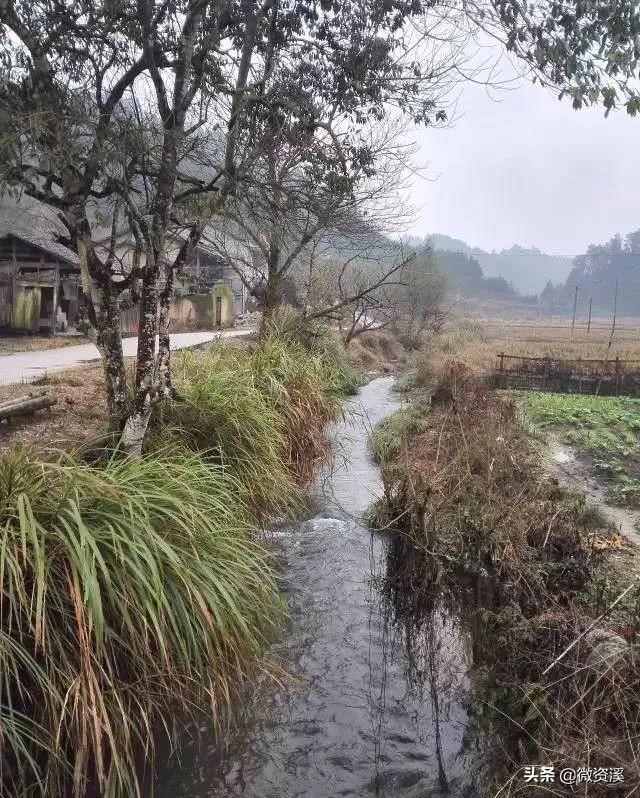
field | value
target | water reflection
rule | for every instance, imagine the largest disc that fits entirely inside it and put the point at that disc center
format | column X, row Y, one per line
column 372, row 703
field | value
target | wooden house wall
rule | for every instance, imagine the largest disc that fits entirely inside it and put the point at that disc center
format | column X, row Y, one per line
column 33, row 283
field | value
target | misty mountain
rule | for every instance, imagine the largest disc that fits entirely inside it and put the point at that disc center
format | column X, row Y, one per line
column 528, row 270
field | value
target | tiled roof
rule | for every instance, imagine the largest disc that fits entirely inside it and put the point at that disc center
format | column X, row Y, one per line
column 34, row 222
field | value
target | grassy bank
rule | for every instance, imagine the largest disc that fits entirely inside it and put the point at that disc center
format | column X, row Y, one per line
column 134, row 594
column 532, row 574
column 605, row 429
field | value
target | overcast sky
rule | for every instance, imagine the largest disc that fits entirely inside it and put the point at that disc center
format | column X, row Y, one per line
column 527, row 169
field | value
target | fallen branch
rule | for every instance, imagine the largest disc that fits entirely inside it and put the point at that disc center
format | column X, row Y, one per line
column 25, row 406
column 18, row 399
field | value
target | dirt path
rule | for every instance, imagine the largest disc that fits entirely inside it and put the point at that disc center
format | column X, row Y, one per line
column 575, row 473
column 30, row 366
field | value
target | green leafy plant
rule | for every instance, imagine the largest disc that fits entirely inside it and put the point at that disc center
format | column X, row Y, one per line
column 130, row 593
column 604, row 428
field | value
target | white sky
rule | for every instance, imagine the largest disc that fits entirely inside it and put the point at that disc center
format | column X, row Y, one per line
column 520, row 167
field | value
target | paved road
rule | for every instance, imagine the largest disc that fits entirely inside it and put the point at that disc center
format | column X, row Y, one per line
column 29, row 366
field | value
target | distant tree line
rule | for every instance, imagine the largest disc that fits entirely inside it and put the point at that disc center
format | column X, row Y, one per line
column 605, row 275
column 466, row 276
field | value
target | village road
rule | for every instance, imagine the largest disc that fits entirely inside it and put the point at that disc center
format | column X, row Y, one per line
column 29, row 366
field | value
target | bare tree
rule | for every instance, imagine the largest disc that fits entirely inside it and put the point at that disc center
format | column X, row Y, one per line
column 382, row 284
column 104, row 105
column 305, row 198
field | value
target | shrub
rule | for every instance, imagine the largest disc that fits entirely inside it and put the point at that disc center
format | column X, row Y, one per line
column 130, row 593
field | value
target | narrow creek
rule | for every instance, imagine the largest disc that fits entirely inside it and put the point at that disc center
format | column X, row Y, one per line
column 360, row 714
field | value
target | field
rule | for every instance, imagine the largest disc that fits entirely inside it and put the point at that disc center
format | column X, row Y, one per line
column 478, row 342
column 602, row 430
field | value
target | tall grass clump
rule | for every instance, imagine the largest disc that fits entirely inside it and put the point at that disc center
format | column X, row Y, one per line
column 305, row 389
column 131, row 594
column 223, row 414
column 392, row 434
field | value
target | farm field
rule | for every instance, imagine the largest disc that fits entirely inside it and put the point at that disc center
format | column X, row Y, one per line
column 477, row 342
column 602, row 431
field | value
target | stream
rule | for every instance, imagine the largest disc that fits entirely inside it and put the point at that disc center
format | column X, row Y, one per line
column 361, row 711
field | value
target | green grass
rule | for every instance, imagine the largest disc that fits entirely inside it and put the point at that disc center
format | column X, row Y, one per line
column 605, row 428
column 223, row 414
column 408, row 383
column 133, row 594
column 306, row 386
column 130, row 593
column 390, row 435
column 263, row 412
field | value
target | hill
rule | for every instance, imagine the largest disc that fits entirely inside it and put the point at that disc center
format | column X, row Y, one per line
column 595, row 274
column 528, row 270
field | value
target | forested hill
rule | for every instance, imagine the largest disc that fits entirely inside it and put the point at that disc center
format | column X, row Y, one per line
column 595, row 274
column 467, row 277
column 528, row 270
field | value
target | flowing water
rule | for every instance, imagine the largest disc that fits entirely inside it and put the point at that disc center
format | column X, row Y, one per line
column 362, row 713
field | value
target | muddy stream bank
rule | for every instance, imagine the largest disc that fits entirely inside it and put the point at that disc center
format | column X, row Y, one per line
column 362, row 712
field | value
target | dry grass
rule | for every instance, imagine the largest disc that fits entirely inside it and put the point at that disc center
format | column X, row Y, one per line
column 376, row 351
column 35, row 343
column 529, row 569
column 478, row 343
column 79, row 415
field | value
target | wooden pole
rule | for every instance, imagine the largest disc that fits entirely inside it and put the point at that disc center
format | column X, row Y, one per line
column 575, row 307
column 615, row 313
column 589, row 322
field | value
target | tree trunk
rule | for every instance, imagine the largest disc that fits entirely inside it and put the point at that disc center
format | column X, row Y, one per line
column 109, row 343
column 271, row 291
column 105, row 317
column 165, row 387
column 138, row 421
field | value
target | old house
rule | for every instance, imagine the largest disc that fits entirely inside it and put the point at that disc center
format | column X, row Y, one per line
column 209, row 273
column 40, row 286
column 208, row 290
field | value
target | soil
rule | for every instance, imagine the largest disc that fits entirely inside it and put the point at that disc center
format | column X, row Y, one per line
column 577, row 472
column 79, row 415
column 34, row 343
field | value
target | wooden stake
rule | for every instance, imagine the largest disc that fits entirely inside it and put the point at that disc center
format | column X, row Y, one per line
column 575, row 307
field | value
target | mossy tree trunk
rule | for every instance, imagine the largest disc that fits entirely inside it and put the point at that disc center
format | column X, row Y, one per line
column 104, row 313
